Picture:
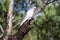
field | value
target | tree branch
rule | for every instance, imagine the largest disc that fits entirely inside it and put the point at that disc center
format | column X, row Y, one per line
column 23, row 30
column 1, row 35
column 1, row 29
column 16, row 25
column 9, row 21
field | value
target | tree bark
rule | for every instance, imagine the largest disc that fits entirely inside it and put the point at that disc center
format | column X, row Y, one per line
column 23, row 30
column 9, row 21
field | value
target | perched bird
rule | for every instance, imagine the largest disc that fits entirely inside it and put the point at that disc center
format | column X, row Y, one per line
column 28, row 16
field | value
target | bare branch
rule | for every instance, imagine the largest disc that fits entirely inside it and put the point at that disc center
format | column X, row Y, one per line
column 9, row 21
column 1, row 35
column 1, row 29
column 14, row 20
column 16, row 25
column 47, row 3
column 41, row 8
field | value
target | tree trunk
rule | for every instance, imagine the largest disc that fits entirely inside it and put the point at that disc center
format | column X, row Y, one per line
column 9, row 21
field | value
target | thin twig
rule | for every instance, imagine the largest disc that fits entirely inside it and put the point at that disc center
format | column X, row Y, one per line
column 1, row 35
column 2, row 31
column 1, row 28
column 16, row 25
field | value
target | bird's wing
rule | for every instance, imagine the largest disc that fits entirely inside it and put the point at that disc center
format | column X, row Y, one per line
column 30, row 13
column 28, row 16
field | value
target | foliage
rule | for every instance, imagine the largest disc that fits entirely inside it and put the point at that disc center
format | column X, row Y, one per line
column 47, row 26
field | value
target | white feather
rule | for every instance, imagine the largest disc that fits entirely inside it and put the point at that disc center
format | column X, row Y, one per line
column 28, row 16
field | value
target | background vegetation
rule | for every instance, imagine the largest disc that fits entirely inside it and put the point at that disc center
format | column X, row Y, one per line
column 46, row 27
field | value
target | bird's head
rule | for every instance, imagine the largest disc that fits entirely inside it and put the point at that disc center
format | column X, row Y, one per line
column 34, row 7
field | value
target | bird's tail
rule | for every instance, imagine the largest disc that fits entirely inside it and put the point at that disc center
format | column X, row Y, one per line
column 23, row 21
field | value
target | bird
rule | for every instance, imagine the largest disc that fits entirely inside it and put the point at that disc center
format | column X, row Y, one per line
column 29, row 15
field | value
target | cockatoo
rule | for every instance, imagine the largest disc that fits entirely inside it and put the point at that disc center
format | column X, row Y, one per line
column 29, row 15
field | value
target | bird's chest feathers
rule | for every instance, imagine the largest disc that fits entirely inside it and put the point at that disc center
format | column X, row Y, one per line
column 30, row 13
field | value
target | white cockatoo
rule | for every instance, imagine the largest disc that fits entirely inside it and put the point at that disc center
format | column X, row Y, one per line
column 29, row 15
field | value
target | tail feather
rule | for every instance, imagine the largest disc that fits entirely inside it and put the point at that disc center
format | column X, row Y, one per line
column 23, row 21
